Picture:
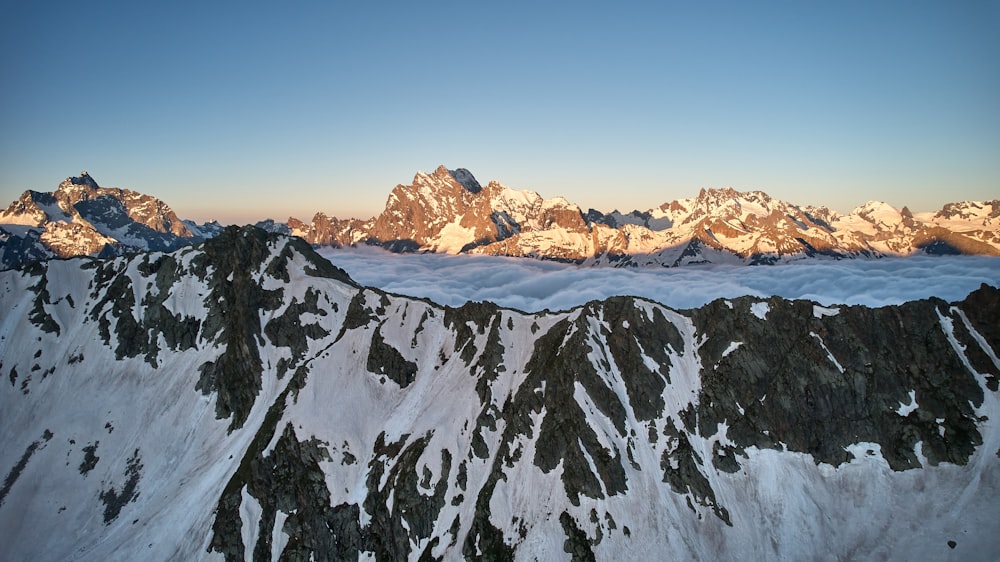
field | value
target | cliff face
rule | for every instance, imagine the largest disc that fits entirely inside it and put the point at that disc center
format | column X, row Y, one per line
column 245, row 396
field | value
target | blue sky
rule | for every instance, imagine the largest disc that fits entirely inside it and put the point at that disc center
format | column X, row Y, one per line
column 241, row 111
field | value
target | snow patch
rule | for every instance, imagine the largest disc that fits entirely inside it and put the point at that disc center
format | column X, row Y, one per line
column 829, row 354
column 821, row 311
column 250, row 512
column 905, row 409
column 760, row 309
column 453, row 237
column 733, row 346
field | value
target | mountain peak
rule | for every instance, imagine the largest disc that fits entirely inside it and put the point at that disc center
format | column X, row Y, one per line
column 78, row 187
column 81, row 218
column 717, row 192
column 442, row 177
column 727, row 193
column 878, row 212
column 875, row 206
column 465, row 177
column 84, row 179
column 461, row 175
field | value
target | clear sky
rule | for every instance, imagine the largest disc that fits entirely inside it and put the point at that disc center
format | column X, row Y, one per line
column 240, row 111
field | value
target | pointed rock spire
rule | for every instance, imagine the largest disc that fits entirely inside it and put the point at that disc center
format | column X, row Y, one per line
column 84, row 179
column 465, row 177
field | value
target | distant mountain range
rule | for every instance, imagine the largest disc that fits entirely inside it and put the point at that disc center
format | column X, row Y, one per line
column 450, row 211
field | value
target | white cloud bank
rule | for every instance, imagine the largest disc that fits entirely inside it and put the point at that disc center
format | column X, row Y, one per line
column 533, row 285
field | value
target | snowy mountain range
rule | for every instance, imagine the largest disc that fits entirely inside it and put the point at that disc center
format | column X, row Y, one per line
column 449, row 211
column 243, row 397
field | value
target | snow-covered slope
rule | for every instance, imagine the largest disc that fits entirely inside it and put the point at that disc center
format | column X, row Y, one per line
column 81, row 218
column 244, row 398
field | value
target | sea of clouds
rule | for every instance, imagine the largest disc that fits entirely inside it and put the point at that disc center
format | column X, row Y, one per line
column 533, row 285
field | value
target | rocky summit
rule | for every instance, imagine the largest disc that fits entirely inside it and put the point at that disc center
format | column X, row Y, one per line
column 82, row 218
column 243, row 398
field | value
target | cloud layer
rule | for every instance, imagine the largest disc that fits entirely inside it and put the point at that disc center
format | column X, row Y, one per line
column 532, row 285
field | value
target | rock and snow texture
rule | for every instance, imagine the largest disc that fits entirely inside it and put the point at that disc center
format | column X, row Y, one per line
column 245, row 399
column 81, row 218
column 448, row 211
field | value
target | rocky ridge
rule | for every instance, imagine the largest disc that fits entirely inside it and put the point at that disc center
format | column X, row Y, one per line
column 243, row 397
column 439, row 213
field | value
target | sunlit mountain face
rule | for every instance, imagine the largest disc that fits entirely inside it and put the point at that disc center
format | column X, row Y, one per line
column 449, row 211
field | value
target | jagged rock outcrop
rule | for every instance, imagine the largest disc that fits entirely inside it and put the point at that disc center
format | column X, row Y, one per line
column 245, row 398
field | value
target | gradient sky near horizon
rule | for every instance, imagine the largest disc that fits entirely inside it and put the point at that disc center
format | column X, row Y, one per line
column 239, row 111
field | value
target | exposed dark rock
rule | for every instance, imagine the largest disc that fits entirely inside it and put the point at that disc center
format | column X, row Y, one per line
column 792, row 392
column 113, row 499
column 980, row 308
column 118, row 302
column 290, row 479
column 576, row 544
column 479, row 313
column 566, row 437
column 680, row 465
column 383, row 359
column 18, row 468
column 487, row 368
column 90, row 458
column 227, row 526
column 358, row 314
column 288, row 330
column 633, row 335
column 84, row 179
column 39, row 315
column 179, row 332
column 233, row 318
column 389, row 538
